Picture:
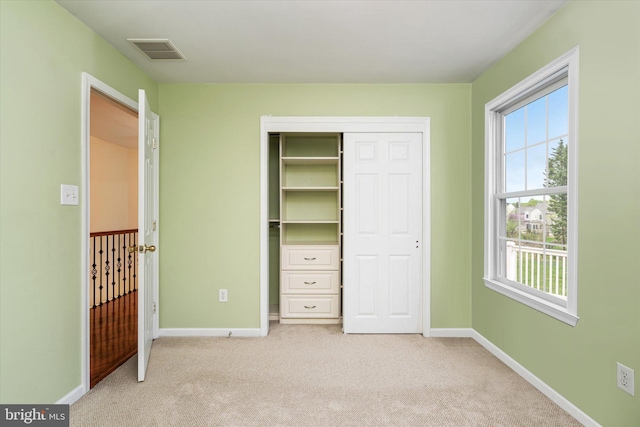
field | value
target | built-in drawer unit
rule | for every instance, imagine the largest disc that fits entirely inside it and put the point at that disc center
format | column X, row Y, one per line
column 309, row 306
column 315, row 257
column 310, row 282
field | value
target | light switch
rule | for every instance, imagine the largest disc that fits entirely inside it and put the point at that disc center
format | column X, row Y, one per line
column 68, row 194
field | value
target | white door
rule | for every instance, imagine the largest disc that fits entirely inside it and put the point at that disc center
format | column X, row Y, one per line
column 382, row 242
column 147, row 230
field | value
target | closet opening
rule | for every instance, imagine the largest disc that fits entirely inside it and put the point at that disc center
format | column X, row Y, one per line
column 305, row 227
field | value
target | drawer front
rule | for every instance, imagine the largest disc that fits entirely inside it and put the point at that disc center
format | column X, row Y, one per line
column 310, row 282
column 310, row 258
column 309, row 306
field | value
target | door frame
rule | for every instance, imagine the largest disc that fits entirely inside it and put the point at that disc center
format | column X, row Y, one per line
column 89, row 82
column 275, row 124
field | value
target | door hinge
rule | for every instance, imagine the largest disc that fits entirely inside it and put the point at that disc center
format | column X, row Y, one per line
column 154, row 308
column 154, row 225
column 155, row 144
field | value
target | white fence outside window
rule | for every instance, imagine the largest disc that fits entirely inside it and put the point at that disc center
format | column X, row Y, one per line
column 542, row 269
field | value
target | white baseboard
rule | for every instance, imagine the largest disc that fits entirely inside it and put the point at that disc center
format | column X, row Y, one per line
column 71, row 397
column 452, row 332
column 209, row 332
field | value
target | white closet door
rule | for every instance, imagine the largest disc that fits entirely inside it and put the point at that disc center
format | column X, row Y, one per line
column 382, row 223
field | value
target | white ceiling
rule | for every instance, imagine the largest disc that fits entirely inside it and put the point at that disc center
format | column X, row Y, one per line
column 321, row 41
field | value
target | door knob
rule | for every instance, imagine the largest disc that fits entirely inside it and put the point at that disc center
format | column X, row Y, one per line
column 142, row 249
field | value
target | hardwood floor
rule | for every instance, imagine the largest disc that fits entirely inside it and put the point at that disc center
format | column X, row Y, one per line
column 114, row 335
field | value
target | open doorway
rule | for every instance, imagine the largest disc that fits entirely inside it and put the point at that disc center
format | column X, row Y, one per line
column 113, row 229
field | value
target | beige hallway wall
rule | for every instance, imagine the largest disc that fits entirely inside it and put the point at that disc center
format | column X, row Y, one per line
column 114, row 186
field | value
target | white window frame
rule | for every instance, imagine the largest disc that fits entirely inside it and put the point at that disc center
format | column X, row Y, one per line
column 565, row 66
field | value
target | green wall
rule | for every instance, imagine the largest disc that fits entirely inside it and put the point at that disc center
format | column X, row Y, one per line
column 43, row 50
column 580, row 362
column 210, row 190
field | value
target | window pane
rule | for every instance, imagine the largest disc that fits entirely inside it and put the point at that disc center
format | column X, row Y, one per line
column 558, row 112
column 531, row 224
column 537, row 121
column 556, row 221
column 557, row 166
column 512, row 218
column 514, row 130
column 514, row 171
column 536, row 166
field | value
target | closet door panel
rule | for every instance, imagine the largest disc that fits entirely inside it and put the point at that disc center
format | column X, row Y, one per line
column 382, row 221
column 367, row 204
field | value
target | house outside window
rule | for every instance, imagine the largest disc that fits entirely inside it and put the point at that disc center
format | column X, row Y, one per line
column 531, row 190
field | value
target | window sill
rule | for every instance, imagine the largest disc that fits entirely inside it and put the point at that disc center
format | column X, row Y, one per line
column 532, row 301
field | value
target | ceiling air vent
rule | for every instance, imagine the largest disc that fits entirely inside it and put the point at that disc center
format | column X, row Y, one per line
column 157, row 49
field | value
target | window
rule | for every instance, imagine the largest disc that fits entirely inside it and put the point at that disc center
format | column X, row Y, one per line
column 531, row 172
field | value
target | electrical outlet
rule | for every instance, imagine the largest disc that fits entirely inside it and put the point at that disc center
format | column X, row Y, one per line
column 222, row 295
column 625, row 379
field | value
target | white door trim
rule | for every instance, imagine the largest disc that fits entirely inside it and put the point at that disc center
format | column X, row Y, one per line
column 272, row 124
column 90, row 82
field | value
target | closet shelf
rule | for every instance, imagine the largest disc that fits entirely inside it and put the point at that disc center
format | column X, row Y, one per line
column 312, row 221
column 310, row 188
column 310, row 160
column 309, row 243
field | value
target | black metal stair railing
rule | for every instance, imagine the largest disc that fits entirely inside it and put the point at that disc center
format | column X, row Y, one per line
column 112, row 268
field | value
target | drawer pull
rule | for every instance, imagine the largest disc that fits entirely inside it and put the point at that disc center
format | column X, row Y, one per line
column 309, row 306
column 310, row 259
column 309, row 283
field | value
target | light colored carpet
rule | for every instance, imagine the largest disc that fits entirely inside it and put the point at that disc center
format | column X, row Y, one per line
column 313, row 375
